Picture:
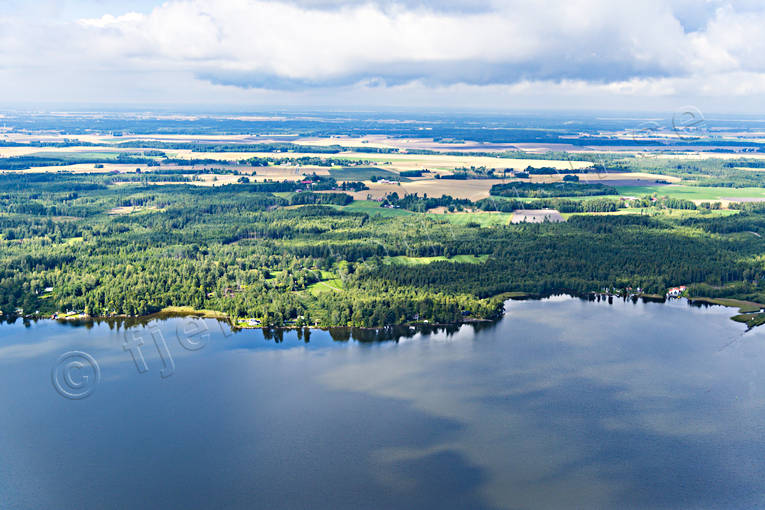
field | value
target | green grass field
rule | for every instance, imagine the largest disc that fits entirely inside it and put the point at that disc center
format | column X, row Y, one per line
column 484, row 219
column 413, row 261
column 692, row 192
column 334, row 285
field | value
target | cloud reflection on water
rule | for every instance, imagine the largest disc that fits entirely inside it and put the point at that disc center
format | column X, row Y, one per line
column 568, row 403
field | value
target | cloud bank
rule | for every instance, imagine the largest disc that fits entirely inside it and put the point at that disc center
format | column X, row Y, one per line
column 654, row 47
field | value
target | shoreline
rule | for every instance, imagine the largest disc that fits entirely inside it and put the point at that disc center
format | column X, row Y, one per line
column 750, row 313
column 187, row 311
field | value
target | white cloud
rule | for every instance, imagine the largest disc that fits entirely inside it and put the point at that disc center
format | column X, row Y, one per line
column 655, row 48
column 270, row 43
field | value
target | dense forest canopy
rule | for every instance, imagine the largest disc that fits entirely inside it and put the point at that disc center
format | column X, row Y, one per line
column 547, row 190
column 260, row 250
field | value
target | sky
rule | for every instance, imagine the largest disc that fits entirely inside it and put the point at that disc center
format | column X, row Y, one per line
column 652, row 55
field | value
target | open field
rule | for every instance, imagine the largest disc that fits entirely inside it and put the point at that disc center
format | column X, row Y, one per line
column 413, row 261
column 626, row 180
column 576, row 199
column 84, row 151
column 325, row 286
column 82, row 168
column 694, row 193
column 670, row 213
column 274, row 231
column 75, row 155
column 387, row 165
column 373, row 208
column 397, row 161
column 363, row 174
column 537, row 216
column 120, row 211
column 753, row 199
column 483, row 219
column 191, row 311
column 401, row 161
column 473, row 189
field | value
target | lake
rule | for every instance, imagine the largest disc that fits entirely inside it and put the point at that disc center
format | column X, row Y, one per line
column 564, row 403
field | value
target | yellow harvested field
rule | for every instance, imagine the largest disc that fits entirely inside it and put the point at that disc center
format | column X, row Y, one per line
column 215, row 180
column 83, row 168
column 286, row 173
column 611, row 176
column 689, row 155
column 617, row 176
column 387, row 142
column 8, row 152
column 397, row 162
column 223, row 156
column 445, row 162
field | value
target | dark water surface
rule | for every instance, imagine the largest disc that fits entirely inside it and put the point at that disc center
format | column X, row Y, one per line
column 562, row 404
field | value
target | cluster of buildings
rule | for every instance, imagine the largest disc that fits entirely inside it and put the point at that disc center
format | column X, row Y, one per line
column 676, row 292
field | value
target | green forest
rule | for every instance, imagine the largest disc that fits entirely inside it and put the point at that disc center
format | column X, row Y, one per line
column 546, row 190
column 263, row 251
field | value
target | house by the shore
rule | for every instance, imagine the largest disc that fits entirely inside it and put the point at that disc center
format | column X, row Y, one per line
column 676, row 291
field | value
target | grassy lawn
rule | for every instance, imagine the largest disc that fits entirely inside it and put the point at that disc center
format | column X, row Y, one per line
column 413, row 261
column 335, row 285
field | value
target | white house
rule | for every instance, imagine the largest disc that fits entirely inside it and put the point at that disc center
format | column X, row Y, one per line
column 676, row 291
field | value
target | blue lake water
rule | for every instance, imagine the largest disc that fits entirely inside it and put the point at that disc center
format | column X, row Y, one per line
column 562, row 404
